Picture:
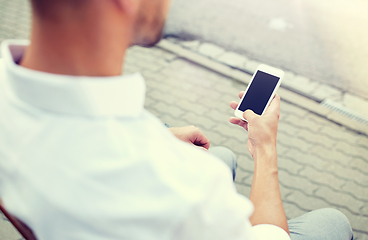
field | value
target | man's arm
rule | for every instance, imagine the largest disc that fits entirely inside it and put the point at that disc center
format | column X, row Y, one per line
column 265, row 191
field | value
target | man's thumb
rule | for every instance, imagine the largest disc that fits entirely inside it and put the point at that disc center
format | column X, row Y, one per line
column 249, row 115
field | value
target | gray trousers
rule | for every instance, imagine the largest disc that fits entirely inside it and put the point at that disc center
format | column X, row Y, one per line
column 322, row 224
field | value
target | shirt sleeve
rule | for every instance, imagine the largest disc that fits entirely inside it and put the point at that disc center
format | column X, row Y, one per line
column 270, row 232
column 215, row 210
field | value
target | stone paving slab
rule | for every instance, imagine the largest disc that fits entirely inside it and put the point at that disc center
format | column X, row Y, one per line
column 7, row 231
column 328, row 108
column 322, row 164
column 297, row 83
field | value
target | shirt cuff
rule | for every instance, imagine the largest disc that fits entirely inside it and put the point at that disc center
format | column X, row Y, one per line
column 270, row 232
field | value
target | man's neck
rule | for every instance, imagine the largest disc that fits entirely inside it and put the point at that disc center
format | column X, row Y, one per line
column 92, row 49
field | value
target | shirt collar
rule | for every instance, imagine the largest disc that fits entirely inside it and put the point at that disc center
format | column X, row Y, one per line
column 74, row 95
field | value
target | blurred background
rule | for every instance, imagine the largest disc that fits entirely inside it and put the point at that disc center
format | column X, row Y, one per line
column 326, row 41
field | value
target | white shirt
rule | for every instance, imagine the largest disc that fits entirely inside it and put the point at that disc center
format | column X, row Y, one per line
column 80, row 158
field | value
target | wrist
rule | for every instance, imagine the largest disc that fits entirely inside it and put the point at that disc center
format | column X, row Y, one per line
column 265, row 157
column 265, row 150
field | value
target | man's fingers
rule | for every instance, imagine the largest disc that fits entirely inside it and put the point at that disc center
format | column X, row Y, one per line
column 200, row 147
column 191, row 134
column 233, row 105
column 205, row 144
column 274, row 105
column 249, row 115
column 235, row 120
column 200, row 139
column 238, row 121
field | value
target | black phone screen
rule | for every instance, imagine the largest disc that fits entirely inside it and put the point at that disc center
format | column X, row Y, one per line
column 259, row 92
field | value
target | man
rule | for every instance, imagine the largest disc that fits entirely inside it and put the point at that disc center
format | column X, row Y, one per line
column 81, row 159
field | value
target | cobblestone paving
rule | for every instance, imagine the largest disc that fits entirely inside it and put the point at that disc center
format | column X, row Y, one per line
column 7, row 231
column 321, row 164
column 14, row 19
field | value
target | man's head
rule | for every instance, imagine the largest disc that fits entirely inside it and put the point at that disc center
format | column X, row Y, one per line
column 146, row 18
column 90, row 37
column 150, row 22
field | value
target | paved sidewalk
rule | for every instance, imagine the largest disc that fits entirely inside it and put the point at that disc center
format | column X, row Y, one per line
column 351, row 106
column 321, row 164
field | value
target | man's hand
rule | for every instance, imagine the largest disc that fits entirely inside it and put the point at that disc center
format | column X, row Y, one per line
column 192, row 135
column 265, row 191
column 262, row 130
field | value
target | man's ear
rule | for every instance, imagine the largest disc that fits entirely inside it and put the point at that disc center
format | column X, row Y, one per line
column 128, row 6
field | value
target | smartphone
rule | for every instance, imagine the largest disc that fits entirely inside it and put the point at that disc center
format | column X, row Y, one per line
column 260, row 91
